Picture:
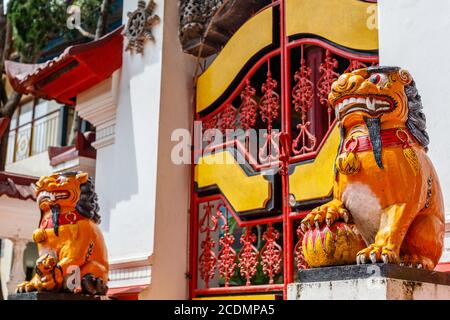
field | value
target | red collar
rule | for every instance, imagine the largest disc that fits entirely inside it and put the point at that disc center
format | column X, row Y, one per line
column 69, row 217
column 389, row 138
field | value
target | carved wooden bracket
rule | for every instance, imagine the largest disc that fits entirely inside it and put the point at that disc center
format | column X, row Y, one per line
column 206, row 25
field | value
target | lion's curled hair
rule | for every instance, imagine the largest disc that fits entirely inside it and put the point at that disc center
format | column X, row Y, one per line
column 416, row 122
column 87, row 205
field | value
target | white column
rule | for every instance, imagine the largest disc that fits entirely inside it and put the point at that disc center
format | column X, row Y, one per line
column 17, row 274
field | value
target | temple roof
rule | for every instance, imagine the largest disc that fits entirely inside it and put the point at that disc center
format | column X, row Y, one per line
column 17, row 186
column 82, row 148
column 77, row 69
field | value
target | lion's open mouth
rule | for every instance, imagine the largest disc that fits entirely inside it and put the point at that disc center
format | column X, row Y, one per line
column 374, row 106
column 52, row 196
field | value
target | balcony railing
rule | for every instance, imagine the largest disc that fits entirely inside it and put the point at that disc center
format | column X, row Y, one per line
column 33, row 138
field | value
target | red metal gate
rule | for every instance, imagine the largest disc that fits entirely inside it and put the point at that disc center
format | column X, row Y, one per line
column 285, row 92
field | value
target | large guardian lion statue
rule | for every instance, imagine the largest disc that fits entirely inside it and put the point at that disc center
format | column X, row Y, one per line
column 72, row 251
column 385, row 185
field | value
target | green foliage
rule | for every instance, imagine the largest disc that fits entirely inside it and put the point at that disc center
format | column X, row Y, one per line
column 36, row 22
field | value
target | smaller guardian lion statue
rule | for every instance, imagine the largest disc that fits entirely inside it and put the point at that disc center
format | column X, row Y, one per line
column 386, row 190
column 72, row 250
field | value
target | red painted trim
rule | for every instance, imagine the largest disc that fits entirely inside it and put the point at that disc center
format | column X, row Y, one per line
column 332, row 49
column 286, row 128
column 126, row 293
column 232, row 290
column 443, row 267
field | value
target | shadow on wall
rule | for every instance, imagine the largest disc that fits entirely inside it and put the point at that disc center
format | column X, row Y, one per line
column 122, row 180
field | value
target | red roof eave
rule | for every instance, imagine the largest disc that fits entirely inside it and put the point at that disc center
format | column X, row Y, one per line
column 77, row 69
column 17, row 186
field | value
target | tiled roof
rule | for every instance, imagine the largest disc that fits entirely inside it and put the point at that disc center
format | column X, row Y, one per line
column 77, row 69
column 17, row 186
column 82, row 148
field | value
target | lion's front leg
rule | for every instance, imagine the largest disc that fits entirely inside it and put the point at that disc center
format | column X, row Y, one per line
column 328, row 213
column 28, row 286
column 71, row 259
column 394, row 224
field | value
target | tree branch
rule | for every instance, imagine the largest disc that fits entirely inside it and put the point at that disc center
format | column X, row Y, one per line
column 11, row 105
column 3, row 96
column 102, row 22
column 85, row 33
column 7, row 47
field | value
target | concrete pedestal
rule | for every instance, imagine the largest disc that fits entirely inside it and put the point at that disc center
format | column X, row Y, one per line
column 370, row 282
column 53, row 296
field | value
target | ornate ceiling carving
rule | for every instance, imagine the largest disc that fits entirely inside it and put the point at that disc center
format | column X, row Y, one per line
column 206, row 25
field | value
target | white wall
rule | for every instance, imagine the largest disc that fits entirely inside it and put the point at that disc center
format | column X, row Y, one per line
column 126, row 171
column 37, row 165
column 144, row 198
column 414, row 34
column 170, row 260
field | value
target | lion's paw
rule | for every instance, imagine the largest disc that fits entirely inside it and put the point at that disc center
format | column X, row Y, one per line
column 328, row 213
column 374, row 254
column 415, row 261
column 25, row 286
column 39, row 236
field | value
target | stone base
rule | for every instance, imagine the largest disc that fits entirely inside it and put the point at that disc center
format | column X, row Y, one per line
column 370, row 282
column 53, row 296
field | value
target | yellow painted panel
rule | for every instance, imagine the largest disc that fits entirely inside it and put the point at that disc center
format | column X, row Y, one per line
column 243, row 192
column 314, row 180
column 252, row 37
column 350, row 23
column 246, row 297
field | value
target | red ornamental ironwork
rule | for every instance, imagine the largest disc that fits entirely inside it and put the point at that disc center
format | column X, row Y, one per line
column 303, row 94
column 270, row 101
column 271, row 254
column 211, row 123
column 298, row 251
column 354, row 65
column 249, row 107
column 327, row 78
column 269, row 109
column 228, row 118
column 207, row 258
column 227, row 255
column 248, row 256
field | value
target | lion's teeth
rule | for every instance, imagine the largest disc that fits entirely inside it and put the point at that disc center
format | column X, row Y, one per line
column 361, row 100
column 370, row 104
column 345, row 101
column 352, row 100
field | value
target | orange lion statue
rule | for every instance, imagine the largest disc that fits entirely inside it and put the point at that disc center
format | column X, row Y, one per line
column 72, row 250
column 386, row 191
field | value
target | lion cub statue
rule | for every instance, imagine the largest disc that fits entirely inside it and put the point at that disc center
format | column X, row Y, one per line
column 48, row 276
column 385, row 185
column 72, row 250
